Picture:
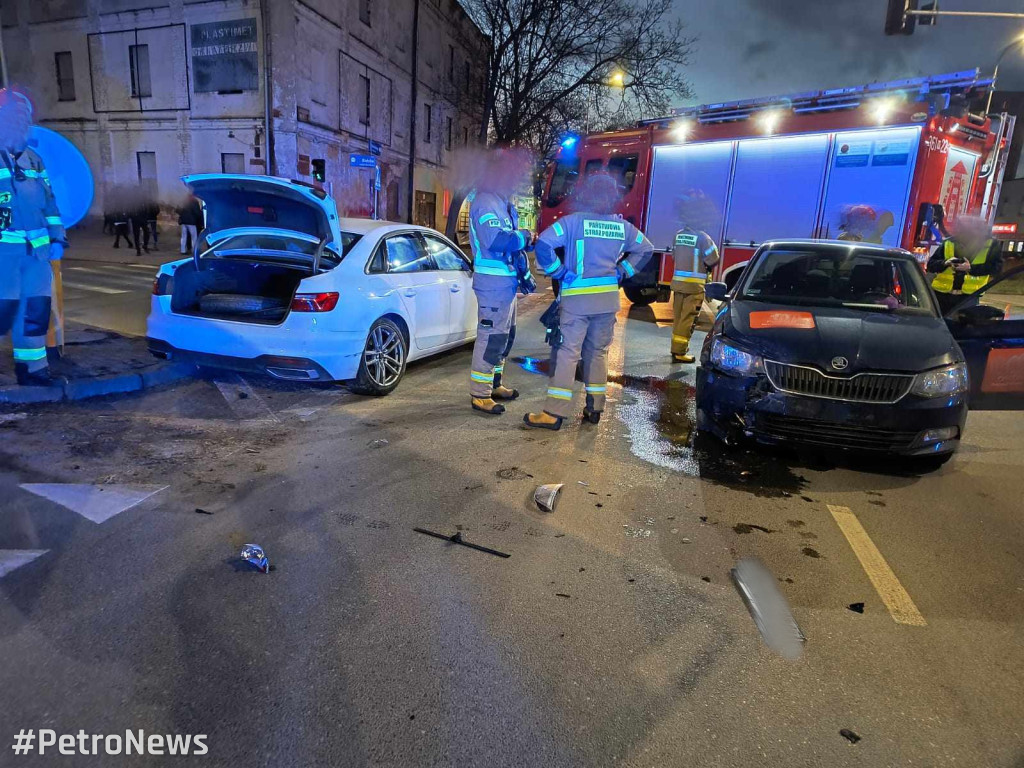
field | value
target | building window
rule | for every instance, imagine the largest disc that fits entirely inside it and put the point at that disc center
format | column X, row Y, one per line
column 465, row 135
column 451, row 64
column 428, row 124
column 147, row 165
column 365, row 92
column 232, row 162
column 448, row 133
column 65, row 76
column 364, row 12
column 138, row 59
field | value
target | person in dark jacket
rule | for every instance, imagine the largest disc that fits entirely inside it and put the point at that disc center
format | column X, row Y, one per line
column 965, row 263
column 190, row 217
column 139, row 215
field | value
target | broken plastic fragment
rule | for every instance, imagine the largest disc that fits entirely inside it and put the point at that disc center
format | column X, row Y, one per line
column 547, row 495
column 768, row 608
column 849, row 735
column 253, row 553
column 856, row 607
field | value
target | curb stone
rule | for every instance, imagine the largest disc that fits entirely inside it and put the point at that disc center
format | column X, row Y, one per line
column 81, row 389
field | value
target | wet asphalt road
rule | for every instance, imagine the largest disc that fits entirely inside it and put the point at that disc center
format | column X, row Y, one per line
column 612, row 635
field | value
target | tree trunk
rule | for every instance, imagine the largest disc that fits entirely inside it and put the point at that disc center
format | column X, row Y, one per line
column 458, row 198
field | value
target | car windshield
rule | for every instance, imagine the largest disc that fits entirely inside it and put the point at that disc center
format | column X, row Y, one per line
column 837, row 277
column 282, row 245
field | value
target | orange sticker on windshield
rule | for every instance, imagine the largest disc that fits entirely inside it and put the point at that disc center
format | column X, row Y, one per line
column 781, row 319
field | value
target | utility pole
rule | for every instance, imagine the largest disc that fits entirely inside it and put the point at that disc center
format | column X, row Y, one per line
column 414, row 108
column 3, row 57
column 269, row 164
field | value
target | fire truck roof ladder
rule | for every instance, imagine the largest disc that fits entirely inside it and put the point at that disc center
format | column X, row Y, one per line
column 831, row 99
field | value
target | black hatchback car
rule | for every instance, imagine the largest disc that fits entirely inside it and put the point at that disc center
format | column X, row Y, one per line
column 841, row 345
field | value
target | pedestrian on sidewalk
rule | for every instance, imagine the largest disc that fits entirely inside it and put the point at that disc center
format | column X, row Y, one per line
column 119, row 204
column 190, row 216
column 601, row 250
column 138, row 214
column 31, row 236
column 152, row 213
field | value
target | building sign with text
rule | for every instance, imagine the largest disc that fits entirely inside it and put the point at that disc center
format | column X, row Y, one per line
column 225, row 56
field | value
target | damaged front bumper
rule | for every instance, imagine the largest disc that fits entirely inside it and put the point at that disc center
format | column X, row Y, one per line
column 733, row 407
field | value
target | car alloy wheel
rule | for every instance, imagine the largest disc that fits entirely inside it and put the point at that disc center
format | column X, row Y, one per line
column 384, row 356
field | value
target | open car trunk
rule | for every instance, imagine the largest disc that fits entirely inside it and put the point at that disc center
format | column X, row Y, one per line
column 248, row 291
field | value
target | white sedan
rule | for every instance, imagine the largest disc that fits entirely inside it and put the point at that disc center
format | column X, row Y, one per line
column 278, row 283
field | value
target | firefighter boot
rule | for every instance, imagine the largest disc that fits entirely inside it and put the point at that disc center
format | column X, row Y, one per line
column 504, row 393
column 684, row 358
column 40, row 378
column 487, row 405
column 543, row 420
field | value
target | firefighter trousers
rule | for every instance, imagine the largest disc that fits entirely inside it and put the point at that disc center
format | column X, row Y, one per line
column 495, row 334
column 685, row 310
column 26, row 285
column 586, row 338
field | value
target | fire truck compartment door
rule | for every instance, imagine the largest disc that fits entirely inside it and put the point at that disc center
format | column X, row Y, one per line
column 690, row 180
column 874, row 168
column 777, row 188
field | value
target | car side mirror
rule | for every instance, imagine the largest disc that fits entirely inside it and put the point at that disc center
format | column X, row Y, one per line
column 716, row 291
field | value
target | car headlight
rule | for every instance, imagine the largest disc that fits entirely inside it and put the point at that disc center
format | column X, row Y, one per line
column 728, row 358
column 942, row 382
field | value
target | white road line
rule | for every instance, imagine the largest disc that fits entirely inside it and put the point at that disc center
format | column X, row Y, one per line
column 98, row 503
column 93, row 288
column 243, row 401
column 15, row 558
column 147, row 267
column 895, row 597
column 112, row 271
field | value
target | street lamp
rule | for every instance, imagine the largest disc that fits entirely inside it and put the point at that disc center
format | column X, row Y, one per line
column 617, row 79
column 995, row 72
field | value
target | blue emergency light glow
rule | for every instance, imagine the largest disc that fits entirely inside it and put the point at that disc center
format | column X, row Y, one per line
column 569, row 141
column 70, row 175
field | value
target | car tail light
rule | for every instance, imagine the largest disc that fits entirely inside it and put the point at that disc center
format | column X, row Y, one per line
column 163, row 285
column 314, row 302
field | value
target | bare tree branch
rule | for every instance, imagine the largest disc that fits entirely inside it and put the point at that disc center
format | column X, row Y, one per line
column 552, row 59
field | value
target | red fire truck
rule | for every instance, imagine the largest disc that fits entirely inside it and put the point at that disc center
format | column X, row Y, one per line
column 908, row 153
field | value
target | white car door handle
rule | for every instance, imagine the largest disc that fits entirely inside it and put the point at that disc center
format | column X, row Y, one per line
column 410, row 292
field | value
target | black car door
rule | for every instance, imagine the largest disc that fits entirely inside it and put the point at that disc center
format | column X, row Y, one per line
column 989, row 326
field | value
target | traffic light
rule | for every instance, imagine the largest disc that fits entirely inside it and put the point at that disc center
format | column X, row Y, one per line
column 897, row 22
column 319, row 169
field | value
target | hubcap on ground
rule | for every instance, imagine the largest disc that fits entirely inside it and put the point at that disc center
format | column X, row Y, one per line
column 384, row 356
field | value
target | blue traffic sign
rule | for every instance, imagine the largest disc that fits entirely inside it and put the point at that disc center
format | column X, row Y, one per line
column 362, row 161
column 374, row 147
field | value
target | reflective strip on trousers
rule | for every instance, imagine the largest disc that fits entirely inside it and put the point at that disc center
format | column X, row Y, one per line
column 29, row 355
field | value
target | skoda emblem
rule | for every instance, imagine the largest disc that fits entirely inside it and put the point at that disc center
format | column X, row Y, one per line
column 840, row 363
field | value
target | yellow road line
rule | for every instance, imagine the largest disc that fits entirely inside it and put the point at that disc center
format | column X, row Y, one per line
column 882, row 577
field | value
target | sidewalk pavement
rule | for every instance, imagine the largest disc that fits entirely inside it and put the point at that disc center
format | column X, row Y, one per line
column 95, row 362
column 88, row 243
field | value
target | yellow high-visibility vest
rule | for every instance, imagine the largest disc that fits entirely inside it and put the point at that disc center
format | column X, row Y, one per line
column 943, row 282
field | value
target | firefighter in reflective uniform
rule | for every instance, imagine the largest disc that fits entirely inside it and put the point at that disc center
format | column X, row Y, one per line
column 601, row 249
column 695, row 254
column 500, row 271
column 965, row 263
column 31, row 234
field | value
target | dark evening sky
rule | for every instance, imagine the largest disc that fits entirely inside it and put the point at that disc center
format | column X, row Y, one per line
column 750, row 48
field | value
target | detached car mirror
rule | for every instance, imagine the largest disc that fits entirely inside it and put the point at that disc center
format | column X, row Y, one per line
column 716, row 291
column 978, row 315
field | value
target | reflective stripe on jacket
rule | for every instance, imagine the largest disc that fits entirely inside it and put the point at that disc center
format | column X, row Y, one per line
column 693, row 253
column 28, row 208
column 944, row 281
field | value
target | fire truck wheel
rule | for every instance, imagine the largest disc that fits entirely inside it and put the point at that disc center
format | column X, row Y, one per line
column 641, row 297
